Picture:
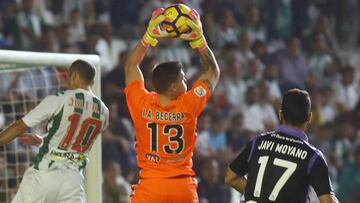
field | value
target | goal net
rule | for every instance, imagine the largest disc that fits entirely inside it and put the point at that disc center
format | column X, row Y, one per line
column 25, row 79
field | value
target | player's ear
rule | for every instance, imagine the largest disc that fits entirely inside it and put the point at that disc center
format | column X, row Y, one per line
column 281, row 116
column 309, row 117
column 71, row 75
column 76, row 76
column 91, row 83
column 173, row 87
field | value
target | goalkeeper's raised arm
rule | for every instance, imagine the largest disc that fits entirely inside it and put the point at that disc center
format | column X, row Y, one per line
column 211, row 71
column 150, row 38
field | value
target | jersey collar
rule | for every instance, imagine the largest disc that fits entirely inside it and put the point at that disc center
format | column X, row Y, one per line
column 171, row 105
column 292, row 132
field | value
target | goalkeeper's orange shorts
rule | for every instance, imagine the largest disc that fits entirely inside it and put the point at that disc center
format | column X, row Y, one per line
column 165, row 190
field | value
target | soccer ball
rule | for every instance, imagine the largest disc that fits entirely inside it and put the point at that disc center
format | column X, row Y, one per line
column 175, row 22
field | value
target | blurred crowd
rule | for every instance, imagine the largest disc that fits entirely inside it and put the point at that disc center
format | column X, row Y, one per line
column 263, row 47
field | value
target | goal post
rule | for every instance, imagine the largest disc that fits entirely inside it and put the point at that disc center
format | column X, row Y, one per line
column 17, row 61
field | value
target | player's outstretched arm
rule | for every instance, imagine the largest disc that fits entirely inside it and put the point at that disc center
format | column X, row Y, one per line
column 13, row 131
column 150, row 38
column 132, row 70
column 235, row 181
column 328, row 198
column 211, row 72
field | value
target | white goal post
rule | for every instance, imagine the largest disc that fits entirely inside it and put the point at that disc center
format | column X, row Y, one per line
column 93, row 180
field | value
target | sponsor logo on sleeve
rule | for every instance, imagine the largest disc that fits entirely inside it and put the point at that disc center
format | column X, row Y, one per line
column 200, row 91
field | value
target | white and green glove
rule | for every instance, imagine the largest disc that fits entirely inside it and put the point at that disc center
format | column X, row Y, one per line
column 153, row 31
column 195, row 37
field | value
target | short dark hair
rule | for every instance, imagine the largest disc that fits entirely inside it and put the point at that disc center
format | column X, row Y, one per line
column 85, row 69
column 164, row 74
column 296, row 106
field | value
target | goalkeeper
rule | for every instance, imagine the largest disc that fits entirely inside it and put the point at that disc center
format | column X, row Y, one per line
column 165, row 120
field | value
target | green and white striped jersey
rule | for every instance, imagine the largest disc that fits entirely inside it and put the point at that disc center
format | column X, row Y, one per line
column 74, row 119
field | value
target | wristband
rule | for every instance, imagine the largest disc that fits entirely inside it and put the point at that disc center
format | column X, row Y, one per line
column 147, row 40
column 200, row 43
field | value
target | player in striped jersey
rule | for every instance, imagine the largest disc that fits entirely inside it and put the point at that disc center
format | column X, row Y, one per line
column 74, row 118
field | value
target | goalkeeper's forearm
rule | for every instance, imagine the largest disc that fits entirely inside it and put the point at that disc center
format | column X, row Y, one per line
column 211, row 71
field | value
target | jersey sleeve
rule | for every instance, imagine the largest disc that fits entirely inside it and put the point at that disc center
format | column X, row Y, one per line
column 319, row 177
column 106, row 118
column 196, row 98
column 135, row 94
column 42, row 112
column 240, row 165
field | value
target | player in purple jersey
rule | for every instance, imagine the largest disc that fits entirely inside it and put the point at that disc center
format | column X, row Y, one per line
column 281, row 166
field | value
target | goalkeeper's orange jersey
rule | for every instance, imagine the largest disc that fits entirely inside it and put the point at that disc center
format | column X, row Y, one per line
column 165, row 135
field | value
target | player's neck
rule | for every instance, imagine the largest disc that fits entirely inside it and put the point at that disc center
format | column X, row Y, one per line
column 164, row 99
column 80, row 86
column 296, row 127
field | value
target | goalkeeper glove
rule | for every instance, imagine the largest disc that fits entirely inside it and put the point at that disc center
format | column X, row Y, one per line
column 153, row 31
column 195, row 37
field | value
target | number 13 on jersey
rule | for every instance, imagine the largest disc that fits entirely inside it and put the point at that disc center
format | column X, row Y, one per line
column 174, row 133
